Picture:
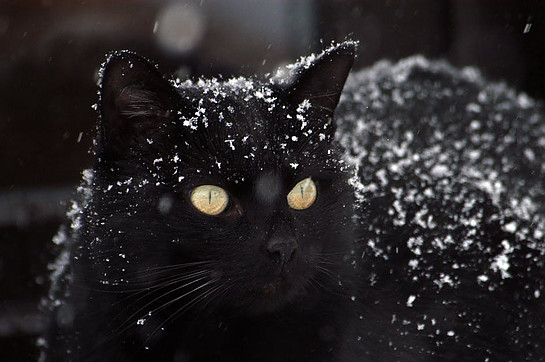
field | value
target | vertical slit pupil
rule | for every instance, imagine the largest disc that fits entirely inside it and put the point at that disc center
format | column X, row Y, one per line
column 302, row 191
column 209, row 197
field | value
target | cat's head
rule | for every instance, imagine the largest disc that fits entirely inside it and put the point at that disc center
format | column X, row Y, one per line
column 238, row 181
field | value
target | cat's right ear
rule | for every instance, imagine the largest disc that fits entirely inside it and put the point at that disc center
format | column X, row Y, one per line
column 135, row 102
column 320, row 79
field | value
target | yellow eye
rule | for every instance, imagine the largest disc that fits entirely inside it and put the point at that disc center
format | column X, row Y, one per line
column 209, row 199
column 302, row 196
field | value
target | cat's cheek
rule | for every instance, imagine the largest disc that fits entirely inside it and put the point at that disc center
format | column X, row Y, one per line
column 216, row 274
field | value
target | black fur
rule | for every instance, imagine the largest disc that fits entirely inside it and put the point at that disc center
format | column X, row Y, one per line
column 404, row 261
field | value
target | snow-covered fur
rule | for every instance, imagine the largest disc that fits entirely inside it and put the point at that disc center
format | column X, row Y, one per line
column 424, row 242
column 451, row 193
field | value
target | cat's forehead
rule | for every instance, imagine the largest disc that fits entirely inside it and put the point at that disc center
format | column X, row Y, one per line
column 239, row 114
column 239, row 128
column 237, row 106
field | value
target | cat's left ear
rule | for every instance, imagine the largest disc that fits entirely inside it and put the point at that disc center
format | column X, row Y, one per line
column 135, row 104
column 321, row 81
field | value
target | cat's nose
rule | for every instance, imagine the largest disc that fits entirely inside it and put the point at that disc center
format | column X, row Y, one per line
column 281, row 249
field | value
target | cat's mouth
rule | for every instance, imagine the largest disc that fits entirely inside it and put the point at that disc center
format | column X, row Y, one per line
column 274, row 288
column 278, row 291
column 272, row 295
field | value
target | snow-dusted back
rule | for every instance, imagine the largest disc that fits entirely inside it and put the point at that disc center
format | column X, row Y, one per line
column 451, row 184
column 428, row 133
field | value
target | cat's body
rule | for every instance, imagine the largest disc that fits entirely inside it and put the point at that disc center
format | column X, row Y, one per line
column 438, row 255
column 452, row 193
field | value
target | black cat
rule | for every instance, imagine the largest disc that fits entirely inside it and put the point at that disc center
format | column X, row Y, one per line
column 236, row 220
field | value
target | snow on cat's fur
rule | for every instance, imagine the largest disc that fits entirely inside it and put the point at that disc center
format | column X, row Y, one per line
column 425, row 241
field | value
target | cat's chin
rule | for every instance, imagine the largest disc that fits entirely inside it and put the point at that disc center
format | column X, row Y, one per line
column 277, row 289
column 273, row 295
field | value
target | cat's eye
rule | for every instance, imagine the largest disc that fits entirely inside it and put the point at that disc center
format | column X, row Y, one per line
column 303, row 195
column 209, row 199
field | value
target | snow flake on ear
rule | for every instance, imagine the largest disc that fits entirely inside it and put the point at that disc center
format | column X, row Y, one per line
column 301, row 111
column 285, row 74
column 303, row 62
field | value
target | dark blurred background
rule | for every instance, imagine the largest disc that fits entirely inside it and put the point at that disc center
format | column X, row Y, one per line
column 50, row 51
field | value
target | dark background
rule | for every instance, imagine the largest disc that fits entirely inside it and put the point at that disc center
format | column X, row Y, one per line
column 50, row 52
